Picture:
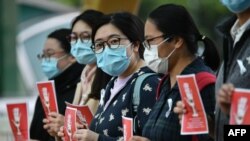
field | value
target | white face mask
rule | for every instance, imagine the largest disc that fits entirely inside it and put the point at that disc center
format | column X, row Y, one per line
column 158, row 65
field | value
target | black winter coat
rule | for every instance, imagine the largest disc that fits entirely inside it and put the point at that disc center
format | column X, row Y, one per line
column 65, row 86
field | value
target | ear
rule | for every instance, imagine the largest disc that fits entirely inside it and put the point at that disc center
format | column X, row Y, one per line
column 136, row 46
column 71, row 59
column 178, row 42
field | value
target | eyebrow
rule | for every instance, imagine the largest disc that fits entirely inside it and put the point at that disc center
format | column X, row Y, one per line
column 110, row 36
column 87, row 32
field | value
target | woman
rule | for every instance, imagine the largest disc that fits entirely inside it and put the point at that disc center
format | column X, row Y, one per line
column 86, row 93
column 117, row 44
column 171, row 48
column 59, row 65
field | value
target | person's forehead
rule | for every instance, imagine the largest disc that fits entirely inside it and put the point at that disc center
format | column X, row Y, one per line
column 81, row 26
column 52, row 44
column 106, row 31
column 151, row 29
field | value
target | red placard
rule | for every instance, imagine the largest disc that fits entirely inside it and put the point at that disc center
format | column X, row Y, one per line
column 70, row 124
column 194, row 121
column 240, row 107
column 127, row 128
column 83, row 116
column 47, row 96
column 18, row 119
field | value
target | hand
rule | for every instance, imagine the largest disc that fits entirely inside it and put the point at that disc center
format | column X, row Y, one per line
column 180, row 110
column 224, row 97
column 85, row 135
column 46, row 126
column 53, row 123
column 139, row 138
column 61, row 133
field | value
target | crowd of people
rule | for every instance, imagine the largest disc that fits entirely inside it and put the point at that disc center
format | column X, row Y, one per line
column 99, row 60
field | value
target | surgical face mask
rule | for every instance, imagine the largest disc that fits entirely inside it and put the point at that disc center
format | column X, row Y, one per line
column 82, row 52
column 113, row 61
column 236, row 6
column 158, row 65
column 49, row 66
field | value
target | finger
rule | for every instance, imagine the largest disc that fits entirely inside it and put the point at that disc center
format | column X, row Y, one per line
column 180, row 104
column 228, row 89
column 60, row 134
column 49, row 131
column 231, row 86
column 180, row 119
column 61, row 128
column 223, row 97
column 80, row 131
column 52, row 119
column 53, row 114
column 133, row 139
column 79, row 126
column 46, row 126
column 179, row 109
column 138, row 138
column 46, row 121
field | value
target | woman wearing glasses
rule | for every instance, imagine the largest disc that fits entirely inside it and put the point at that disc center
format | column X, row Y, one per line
column 59, row 65
column 80, row 40
column 171, row 47
column 93, row 79
column 117, row 44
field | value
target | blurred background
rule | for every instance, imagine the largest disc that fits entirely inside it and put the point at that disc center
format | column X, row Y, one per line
column 25, row 24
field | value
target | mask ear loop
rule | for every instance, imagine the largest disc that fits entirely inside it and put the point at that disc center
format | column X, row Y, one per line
column 132, row 50
column 61, row 59
column 130, row 45
column 166, row 58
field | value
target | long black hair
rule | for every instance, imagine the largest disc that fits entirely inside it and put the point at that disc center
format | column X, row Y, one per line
column 129, row 24
column 175, row 20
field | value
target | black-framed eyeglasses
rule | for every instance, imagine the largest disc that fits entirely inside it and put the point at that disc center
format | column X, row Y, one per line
column 47, row 54
column 112, row 42
column 146, row 43
column 84, row 37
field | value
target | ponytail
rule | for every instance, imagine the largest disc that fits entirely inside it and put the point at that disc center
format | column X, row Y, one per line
column 210, row 55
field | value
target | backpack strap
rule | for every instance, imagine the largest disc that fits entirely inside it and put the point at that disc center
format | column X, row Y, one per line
column 137, row 88
column 204, row 78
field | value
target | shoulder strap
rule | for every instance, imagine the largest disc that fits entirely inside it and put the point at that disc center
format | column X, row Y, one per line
column 204, row 78
column 137, row 88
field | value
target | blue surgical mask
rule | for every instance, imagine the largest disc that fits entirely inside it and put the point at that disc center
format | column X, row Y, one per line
column 49, row 66
column 82, row 52
column 236, row 6
column 113, row 61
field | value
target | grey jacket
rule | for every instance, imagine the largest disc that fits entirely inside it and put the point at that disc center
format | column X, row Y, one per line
column 231, row 71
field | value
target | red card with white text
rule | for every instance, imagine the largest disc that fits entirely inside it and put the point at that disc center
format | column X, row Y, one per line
column 47, row 96
column 18, row 119
column 127, row 128
column 194, row 121
column 240, row 107
column 83, row 116
column 70, row 124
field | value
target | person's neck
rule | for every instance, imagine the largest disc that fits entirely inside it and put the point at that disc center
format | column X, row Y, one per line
column 132, row 68
column 92, row 65
column 243, row 16
column 179, row 66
